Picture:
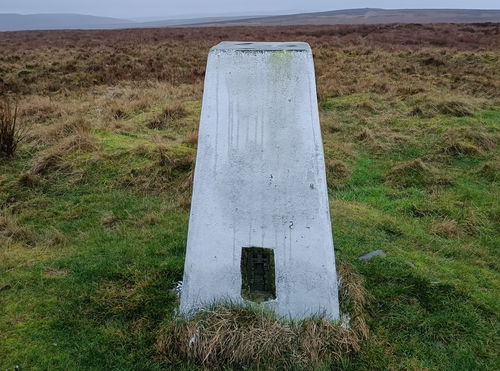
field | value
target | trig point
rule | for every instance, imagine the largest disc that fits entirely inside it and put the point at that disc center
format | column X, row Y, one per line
column 259, row 229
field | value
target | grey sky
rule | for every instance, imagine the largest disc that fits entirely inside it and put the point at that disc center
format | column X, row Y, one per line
column 155, row 8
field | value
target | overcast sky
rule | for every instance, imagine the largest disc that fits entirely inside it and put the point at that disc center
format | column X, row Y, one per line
column 155, row 8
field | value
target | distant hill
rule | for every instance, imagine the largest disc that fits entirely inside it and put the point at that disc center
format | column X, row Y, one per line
column 15, row 22
column 198, row 21
column 375, row 16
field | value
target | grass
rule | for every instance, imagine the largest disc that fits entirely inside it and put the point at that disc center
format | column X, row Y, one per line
column 94, row 204
column 252, row 337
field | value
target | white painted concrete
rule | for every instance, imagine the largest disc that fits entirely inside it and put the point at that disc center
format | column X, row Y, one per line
column 260, row 181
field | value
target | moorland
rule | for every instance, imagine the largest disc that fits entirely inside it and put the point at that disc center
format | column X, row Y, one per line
column 94, row 200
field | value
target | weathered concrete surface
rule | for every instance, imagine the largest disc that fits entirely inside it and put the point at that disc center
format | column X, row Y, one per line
column 260, row 181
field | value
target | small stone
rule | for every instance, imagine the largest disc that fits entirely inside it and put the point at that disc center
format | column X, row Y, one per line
column 371, row 255
column 411, row 264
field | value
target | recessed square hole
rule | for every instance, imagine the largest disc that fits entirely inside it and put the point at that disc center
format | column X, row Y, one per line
column 257, row 274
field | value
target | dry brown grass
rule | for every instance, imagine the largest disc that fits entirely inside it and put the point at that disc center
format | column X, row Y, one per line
column 369, row 138
column 52, row 159
column 37, row 109
column 29, row 180
column 235, row 336
column 427, row 104
column 338, row 172
column 366, row 135
column 151, row 218
column 172, row 170
column 109, row 219
column 467, row 142
column 168, row 116
column 124, row 106
column 57, row 238
column 353, row 294
column 447, row 228
column 191, row 139
column 57, row 61
column 455, row 108
column 57, row 273
column 415, row 173
column 490, row 171
column 10, row 230
column 50, row 134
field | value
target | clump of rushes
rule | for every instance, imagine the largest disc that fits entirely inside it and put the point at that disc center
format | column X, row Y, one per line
column 11, row 133
column 227, row 336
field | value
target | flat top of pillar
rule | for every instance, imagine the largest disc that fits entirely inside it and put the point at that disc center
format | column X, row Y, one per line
column 262, row 46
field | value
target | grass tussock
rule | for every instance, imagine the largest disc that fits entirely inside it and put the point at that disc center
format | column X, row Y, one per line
column 38, row 109
column 109, row 219
column 338, row 172
column 171, row 170
column 415, row 173
column 455, row 108
column 29, row 180
column 10, row 230
column 428, row 105
column 52, row 159
column 152, row 218
column 238, row 336
column 52, row 134
column 57, row 238
column 57, row 273
column 371, row 140
column 490, row 171
column 447, row 228
column 366, row 135
column 353, row 294
column 467, row 142
column 191, row 139
column 168, row 116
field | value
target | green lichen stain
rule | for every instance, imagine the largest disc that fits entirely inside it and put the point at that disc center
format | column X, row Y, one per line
column 280, row 59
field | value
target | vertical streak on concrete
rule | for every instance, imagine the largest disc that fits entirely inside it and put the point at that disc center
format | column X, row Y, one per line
column 217, row 118
column 237, row 121
column 234, row 245
column 267, row 187
column 312, row 87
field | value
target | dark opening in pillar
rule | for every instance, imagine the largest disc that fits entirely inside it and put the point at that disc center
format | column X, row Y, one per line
column 257, row 274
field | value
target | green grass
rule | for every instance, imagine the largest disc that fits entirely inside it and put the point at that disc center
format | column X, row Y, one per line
column 97, row 299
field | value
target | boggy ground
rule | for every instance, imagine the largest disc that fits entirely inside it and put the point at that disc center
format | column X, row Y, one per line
column 94, row 206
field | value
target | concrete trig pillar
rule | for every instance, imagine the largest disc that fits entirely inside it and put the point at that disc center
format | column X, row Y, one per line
column 259, row 228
